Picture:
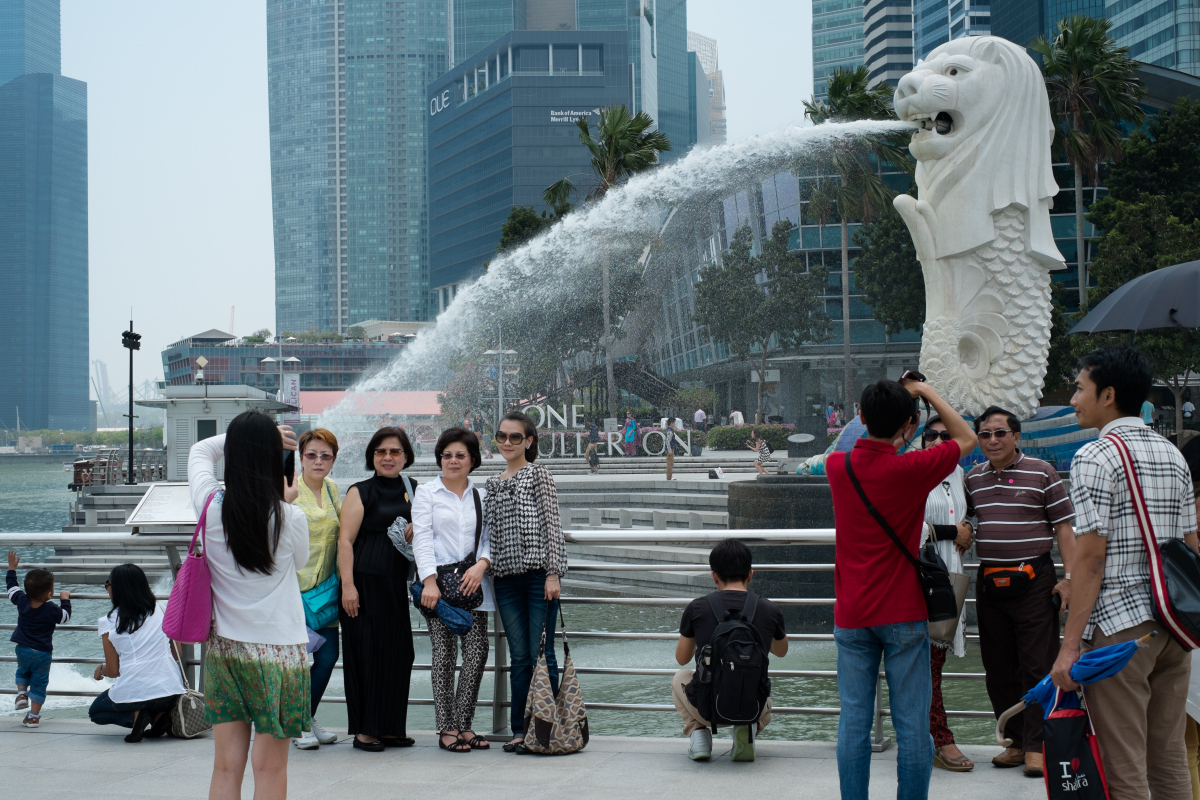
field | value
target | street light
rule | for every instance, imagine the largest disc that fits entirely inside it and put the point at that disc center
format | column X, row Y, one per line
column 500, row 354
column 130, row 341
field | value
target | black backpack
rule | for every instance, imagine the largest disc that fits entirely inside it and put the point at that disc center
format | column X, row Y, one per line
column 732, row 686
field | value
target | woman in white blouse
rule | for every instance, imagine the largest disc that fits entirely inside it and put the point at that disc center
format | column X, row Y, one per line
column 138, row 654
column 448, row 529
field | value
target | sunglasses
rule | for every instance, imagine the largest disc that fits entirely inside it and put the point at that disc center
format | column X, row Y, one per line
column 999, row 434
column 311, row 456
column 108, row 584
column 933, row 436
column 511, row 438
column 455, row 456
column 394, row 452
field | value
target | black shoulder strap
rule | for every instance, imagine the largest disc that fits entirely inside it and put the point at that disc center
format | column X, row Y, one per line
column 750, row 607
column 478, row 521
column 878, row 517
column 718, row 606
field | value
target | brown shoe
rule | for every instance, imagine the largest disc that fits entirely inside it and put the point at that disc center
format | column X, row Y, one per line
column 1033, row 765
column 1011, row 757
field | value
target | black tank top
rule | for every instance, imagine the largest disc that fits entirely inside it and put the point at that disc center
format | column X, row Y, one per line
column 383, row 500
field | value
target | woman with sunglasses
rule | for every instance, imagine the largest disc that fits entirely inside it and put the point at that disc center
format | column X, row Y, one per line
column 319, row 498
column 945, row 523
column 448, row 529
column 529, row 558
column 376, row 630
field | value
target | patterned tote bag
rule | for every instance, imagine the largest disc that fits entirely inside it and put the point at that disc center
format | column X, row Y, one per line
column 555, row 726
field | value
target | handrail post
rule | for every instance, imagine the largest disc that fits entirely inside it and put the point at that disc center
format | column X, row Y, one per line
column 500, row 682
column 879, row 742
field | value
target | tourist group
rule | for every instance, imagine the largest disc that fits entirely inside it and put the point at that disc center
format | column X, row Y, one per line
column 295, row 569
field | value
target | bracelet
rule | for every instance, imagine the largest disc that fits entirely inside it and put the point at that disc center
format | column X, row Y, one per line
column 1066, row 576
column 548, row 577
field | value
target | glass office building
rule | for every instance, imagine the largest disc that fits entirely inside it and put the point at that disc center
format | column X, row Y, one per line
column 837, row 39
column 502, row 129
column 1020, row 21
column 936, row 22
column 43, row 225
column 346, row 84
column 706, row 52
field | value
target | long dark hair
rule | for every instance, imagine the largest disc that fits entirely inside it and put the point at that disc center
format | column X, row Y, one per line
column 131, row 597
column 252, row 511
column 531, row 450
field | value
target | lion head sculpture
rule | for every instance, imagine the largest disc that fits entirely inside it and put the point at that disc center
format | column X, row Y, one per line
column 984, row 143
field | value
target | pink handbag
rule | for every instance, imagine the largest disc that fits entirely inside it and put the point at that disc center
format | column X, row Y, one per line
column 188, row 617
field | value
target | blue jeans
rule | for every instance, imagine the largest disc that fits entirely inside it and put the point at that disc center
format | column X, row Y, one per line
column 904, row 648
column 33, row 670
column 322, row 667
column 524, row 610
column 104, row 711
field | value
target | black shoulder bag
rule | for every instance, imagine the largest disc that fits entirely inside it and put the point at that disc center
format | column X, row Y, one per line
column 449, row 576
column 940, row 602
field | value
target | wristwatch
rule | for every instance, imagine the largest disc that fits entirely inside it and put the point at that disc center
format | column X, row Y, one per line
column 1066, row 576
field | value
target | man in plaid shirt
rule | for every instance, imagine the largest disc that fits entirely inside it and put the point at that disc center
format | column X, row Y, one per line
column 1139, row 713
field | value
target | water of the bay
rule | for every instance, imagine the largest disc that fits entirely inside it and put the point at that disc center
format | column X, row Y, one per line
column 35, row 498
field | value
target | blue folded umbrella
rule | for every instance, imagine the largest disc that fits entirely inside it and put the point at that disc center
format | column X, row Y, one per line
column 457, row 620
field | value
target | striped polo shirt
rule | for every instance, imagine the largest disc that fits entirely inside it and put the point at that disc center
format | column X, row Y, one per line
column 1017, row 508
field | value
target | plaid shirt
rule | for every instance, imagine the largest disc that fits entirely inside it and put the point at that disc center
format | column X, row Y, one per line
column 1102, row 504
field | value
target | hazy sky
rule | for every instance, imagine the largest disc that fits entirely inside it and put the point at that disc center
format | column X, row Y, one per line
column 179, row 164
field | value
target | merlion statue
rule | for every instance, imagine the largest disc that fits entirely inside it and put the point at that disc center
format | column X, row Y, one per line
column 981, row 221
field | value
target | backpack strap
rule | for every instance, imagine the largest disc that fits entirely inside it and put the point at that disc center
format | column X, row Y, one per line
column 478, row 522
column 874, row 512
column 718, row 608
column 408, row 487
column 750, row 607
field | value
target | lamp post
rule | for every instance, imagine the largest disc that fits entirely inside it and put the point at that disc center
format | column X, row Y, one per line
column 131, row 341
column 499, row 353
column 281, row 361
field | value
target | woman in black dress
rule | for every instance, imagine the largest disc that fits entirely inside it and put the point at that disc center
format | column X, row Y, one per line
column 377, row 637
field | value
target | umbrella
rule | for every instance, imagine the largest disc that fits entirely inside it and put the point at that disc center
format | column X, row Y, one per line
column 1166, row 298
column 1092, row 666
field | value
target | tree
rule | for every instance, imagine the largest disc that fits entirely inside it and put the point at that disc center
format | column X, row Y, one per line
column 752, row 301
column 259, row 336
column 1093, row 88
column 523, row 224
column 624, row 145
column 856, row 187
column 888, row 273
column 356, row 333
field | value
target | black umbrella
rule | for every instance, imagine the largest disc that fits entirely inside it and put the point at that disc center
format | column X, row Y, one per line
column 1166, row 298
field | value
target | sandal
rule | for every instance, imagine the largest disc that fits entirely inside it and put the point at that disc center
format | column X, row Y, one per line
column 457, row 746
column 511, row 747
column 477, row 742
column 962, row 764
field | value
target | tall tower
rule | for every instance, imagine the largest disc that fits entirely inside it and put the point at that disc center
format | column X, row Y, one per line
column 43, row 225
column 887, row 40
column 706, row 51
column 349, row 187
column 837, row 40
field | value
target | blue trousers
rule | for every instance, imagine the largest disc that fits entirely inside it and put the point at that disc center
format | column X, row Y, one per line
column 33, row 670
column 104, row 711
column 323, row 663
column 524, row 610
column 904, row 648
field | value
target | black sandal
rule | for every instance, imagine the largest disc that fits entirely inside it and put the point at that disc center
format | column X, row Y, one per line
column 457, row 746
column 511, row 747
column 478, row 743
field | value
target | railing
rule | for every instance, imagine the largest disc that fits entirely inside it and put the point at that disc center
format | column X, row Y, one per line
column 173, row 545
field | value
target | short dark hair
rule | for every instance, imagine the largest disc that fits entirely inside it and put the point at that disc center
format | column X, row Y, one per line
column 886, row 407
column 730, row 560
column 1124, row 368
column 39, row 583
column 468, row 439
column 386, row 433
column 1014, row 424
column 531, row 450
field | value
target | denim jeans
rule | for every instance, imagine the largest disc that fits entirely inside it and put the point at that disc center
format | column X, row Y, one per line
column 33, row 670
column 104, row 711
column 904, row 648
column 322, row 667
column 524, row 610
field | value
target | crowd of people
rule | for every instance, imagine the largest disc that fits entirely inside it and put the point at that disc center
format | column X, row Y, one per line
column 275, row 546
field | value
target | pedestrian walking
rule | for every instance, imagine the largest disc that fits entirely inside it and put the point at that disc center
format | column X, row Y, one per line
column 630, row 434
column 669, row 446
column 759, row 445
column 1139, row 712
column 1022, row 508
column 700, row 419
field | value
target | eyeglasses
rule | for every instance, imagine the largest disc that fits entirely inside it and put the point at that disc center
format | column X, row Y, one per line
column 933, row 436
column 394, row 452
column 511, row 438
column 999, row 434
column 455, row 456
column 108, row 584
column 311, row 456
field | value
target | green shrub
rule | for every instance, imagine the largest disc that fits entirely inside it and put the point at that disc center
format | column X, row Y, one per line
column 730, row 437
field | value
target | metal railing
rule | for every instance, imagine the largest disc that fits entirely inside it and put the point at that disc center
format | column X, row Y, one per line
column 175, row 545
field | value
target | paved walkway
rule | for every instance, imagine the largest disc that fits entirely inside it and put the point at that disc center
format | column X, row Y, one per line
column 75, row 759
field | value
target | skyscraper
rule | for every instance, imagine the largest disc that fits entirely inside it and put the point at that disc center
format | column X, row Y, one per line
column 887, row 40
column 706, row 51
column 43, row 225
column 936, row 22
column 349, row 185
column 837, row 40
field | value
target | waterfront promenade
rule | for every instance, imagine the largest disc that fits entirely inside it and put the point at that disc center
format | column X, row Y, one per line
column 68, row 759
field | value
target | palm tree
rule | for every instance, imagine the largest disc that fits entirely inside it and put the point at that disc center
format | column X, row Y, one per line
column 857, row 189
column 623, row 146
column 1093, row 88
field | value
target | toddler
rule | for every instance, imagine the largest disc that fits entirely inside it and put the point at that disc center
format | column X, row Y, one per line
column 34, row 636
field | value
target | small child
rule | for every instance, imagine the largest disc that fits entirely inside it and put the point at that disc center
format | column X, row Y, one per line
column 34, row 636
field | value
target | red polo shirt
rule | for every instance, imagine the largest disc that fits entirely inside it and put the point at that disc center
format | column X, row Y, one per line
column 874, row 584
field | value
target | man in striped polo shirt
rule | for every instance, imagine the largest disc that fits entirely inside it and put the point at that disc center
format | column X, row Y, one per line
column 1021, row 506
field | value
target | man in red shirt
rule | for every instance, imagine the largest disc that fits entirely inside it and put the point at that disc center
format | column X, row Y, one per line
column 880, row 610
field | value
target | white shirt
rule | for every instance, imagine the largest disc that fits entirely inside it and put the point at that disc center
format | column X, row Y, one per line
column 947, row 505
column 148, row 671
column 249, row 606
column 700, row 416
column 1188, row 409
column 444, row 532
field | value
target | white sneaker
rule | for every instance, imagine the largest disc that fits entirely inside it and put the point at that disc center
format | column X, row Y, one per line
column 22, row 702
column 307, row 741
column 323, row 736
column 700, row 745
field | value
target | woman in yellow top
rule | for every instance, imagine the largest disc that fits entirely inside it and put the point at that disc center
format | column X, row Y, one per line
column 319, row 499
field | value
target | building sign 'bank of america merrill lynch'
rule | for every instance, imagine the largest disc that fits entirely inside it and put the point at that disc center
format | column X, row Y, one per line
column 572, row 116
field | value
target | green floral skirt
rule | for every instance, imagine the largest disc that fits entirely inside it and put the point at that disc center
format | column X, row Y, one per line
column 267, row 684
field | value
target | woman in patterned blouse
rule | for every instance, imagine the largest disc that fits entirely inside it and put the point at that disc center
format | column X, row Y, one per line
column 529, row 557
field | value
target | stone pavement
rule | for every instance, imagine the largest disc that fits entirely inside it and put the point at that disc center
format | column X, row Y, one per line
column 68, row 759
